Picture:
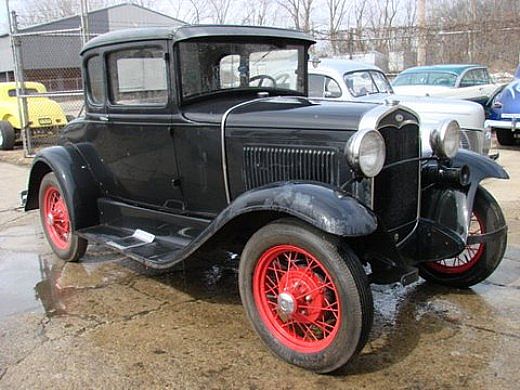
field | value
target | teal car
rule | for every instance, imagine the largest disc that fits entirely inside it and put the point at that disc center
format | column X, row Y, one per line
column 458, row 81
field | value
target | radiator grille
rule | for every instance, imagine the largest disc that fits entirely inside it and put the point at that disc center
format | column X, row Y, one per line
column 267, row 164
column 396, row 187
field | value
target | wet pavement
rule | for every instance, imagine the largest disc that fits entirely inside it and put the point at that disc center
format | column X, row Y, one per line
column 108, row 322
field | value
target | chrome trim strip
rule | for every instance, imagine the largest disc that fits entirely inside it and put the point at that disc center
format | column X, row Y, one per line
column 371, row 120
column 223, row 139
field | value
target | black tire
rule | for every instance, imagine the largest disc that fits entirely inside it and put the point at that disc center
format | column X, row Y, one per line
column 71, row 248
column 7, row 136
column 351, row 288
column 486, row 259
column 505, row 137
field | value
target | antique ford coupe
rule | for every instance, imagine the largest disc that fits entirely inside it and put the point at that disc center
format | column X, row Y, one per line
column 202, row 137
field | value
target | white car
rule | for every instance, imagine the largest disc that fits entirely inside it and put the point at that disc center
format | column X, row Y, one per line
column 458, row 81
column 346, row 80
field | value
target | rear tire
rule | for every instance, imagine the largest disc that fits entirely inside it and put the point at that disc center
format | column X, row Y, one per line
column 307, row 298
column 505, row 137
column 476, row 262
column 7, row 136
column 55, row 218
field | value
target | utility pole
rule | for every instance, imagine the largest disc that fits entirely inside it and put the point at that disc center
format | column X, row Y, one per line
column 421, row 26
column 85, row 33
column 16, row 48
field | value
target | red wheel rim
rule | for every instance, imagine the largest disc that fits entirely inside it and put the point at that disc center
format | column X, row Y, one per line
column 296, row 298
column 56, row 217
column 468, row 257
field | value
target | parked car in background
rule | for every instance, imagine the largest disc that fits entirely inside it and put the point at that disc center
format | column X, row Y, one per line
column 345, row 80
column 503, row 112
column 200, row 139
column 44, row 115
column 459, row 81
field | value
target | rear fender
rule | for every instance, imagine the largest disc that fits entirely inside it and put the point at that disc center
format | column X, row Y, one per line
column 75, row 178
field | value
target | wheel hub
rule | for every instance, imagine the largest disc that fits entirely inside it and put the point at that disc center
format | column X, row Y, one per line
column 286, row 303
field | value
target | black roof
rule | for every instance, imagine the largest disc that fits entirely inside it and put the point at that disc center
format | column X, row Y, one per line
column 193, row 31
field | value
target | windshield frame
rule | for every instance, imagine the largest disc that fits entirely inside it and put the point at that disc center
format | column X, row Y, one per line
column 374, row 83
column 286, row 44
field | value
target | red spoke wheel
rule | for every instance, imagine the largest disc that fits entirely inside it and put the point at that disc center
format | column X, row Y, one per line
column 307, row 299
column 468, row 257
column 55, row 217
column 477, row 261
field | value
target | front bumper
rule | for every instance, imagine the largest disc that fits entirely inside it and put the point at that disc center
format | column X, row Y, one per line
column 512, row 125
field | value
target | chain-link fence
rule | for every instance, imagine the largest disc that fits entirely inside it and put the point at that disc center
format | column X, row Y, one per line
column 48, row 85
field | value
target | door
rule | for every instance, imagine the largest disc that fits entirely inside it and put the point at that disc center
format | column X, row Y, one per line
column 136, row 145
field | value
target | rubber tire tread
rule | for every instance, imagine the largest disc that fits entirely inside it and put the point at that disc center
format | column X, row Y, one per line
column 8, row 135
column 347, row 261
column 493, row 250
column 78, row 245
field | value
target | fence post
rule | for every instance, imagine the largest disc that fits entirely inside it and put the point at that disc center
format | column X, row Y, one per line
column 16, row 46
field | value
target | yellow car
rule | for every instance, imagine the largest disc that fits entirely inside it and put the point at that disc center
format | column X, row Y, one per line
column 44, row 114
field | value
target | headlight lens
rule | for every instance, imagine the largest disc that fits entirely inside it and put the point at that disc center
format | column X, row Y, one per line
column 445, row 139
column 366, row 152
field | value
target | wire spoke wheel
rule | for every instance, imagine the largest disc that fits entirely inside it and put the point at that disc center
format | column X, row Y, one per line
column 57, row 222
column 468, row 257
column 296, row 298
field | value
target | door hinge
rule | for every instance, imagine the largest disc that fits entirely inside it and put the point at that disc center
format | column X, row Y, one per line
column 176, row 182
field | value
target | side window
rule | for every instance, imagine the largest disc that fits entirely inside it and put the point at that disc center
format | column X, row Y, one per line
column 138, row 77
column 470, row 79
column 332, row 89
column 316, row 85
column 230, row 71
column 96, row 89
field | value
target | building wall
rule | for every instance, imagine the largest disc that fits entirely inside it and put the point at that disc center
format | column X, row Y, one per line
column 129, row 16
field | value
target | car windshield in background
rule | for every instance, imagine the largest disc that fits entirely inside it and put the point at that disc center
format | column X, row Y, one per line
column 443, row 79
column 208, row 67
column 26, row 91
column 366, row 82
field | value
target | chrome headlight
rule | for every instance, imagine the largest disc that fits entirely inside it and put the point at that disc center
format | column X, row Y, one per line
column 445, row 140
column 366, row 152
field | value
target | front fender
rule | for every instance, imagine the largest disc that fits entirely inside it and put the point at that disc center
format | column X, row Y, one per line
column 322, row 206
column 480, row 167
column 75, row 178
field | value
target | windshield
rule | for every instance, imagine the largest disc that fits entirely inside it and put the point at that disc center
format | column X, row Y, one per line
column 367, row 82
column 208, row 67
column 426, row 78
column 26, row 91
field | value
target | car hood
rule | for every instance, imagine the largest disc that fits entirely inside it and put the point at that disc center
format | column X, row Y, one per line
column 470, row 115
column 288, row 113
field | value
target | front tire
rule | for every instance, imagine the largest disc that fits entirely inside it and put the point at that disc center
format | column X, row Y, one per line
column 55, row 219
column 477, row 261
column 307, row 298
column 505, row 137
column 7, row 136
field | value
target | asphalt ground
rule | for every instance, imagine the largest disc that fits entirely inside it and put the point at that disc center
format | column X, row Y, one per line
column 107, row 322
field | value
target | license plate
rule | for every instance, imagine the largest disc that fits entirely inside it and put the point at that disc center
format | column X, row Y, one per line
column 511, row 116
column 45, row 121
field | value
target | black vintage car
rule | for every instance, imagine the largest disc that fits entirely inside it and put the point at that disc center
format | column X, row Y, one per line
column 203, row 137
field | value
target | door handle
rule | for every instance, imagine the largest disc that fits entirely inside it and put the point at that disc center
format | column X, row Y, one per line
column 103, row 118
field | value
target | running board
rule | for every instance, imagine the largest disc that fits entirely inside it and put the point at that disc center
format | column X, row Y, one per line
column 154, row 238
column 155, row 252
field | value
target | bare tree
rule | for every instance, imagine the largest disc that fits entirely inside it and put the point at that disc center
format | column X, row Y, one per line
column 300, row 12
column 336, row 10
column 220, row 10
column 190, row 11
column 258, row 13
